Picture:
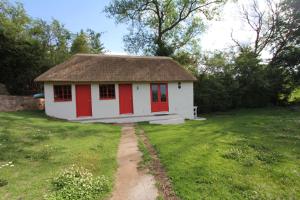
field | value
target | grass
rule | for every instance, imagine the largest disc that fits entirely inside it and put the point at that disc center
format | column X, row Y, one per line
column 146, row 157
column 40, row 147
column 246, row 154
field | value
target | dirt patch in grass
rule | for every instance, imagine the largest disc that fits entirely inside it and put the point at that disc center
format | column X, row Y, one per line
column 153, row 163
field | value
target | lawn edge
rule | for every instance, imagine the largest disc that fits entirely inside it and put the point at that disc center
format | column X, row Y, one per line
column 152, row 162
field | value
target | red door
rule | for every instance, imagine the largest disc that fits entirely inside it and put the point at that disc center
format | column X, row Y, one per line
column 159, row 97
column 125, row 99
column 83, row 100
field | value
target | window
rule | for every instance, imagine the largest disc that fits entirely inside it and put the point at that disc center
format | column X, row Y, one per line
column 163, row 93
column 154, row 89
column 107, row 91
column 62, row 93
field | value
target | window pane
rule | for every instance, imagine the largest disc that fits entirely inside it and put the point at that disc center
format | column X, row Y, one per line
column 107, row 91
column 154, row 89
column 56, row 92
column 62, row 93
column 163, row 93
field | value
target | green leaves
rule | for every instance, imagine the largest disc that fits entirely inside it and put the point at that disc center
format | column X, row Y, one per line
column 161, row 27
column 87, row 42
column 80, row 44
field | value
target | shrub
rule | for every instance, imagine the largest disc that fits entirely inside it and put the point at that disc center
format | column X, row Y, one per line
column 78, row 183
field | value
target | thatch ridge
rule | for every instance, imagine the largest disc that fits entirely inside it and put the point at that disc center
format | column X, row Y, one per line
column 116, row 68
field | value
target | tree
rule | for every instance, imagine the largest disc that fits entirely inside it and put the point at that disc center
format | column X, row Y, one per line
column 160, row 27
column 61, row 38
column 20, row 54
column 20, row 62
column 284, row 67
column 13, row 20
column 87, row 42
column 277, row 31
column 95, row 43
column 54, row 38
column 253, row 86
column 215, row 89
column 275, row 28
column 189, row 58
column 287, row 33
column 262, row 23
column 80, row 44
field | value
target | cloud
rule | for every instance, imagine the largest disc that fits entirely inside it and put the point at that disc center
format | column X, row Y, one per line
column 218, row 33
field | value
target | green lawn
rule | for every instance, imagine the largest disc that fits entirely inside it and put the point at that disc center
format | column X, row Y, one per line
column 40, row 147
column 246, row 154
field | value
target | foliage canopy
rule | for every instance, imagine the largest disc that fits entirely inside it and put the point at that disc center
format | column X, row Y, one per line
column 160, row 27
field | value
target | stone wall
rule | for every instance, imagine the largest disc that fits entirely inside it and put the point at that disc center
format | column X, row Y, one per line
column 17, row 103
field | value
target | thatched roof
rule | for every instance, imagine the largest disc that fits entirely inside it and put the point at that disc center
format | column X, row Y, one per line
column 110, row 68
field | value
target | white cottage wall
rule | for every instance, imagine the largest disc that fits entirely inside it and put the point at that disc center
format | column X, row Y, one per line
column 180, row 101
column 61, row 109
column 104, row 108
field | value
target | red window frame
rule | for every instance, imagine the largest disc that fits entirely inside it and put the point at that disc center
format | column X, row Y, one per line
column 62, row 93
column 107, row 91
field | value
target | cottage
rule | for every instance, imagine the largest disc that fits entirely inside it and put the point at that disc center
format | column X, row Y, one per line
column 91, row 86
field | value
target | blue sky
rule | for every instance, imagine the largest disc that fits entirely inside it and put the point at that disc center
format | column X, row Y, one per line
column 79, row 14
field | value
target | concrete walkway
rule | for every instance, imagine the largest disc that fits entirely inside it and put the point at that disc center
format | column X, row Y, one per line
column 132, row 184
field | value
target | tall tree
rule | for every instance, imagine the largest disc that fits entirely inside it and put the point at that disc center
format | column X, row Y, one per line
column 80, row 43
column 95, row 44
column 54, row 38
column 277, row 31
column 20, row 54
column 87, row 42
column 160, row 27
column 61, row 37
column 276, row 28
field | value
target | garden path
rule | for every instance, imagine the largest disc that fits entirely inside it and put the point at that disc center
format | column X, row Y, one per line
column 132, row 183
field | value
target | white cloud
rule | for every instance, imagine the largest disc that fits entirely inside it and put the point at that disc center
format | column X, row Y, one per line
column 218, row 33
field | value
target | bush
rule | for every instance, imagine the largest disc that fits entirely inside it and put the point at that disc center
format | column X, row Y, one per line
column 241, row 81
column 78, row 183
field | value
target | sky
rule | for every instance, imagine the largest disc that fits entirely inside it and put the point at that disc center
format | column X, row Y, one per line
column 79, row 14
